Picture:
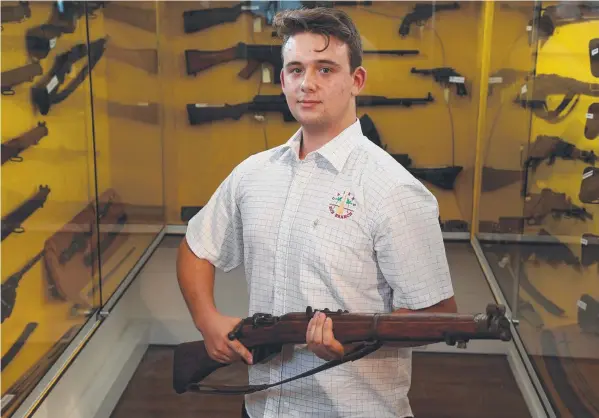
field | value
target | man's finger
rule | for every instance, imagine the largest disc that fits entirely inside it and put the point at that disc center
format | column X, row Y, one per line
column 241, row 350
column 317, row 336
column 310, row 330
column 333, row 346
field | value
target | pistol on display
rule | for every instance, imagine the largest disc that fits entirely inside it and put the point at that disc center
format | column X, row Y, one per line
column 423, row 12
column 198, row 20
column 445, row 76
column 256, row 55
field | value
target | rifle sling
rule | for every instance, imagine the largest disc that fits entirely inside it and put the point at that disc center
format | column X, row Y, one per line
column 358, row 353
column 18, row 345
column 553, row 116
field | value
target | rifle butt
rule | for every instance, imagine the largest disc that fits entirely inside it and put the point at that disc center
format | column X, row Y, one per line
column 20, row 75
column 589, row 187
column 198, row 20
column 199, row 115
column 191, row 363
column 143, row 19
column 197, row 61
column 145, row 59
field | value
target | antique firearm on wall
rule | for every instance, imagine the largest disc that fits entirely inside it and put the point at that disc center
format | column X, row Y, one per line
column 256, row 55
column 45, row 93
column 10, row 285
column 423, row 12
column 589, row 186
column 16, row 76
column 445, row 76
column 199, row 114
column 589, row 249
column 588, row 313
column 14, row 349
column 12, row 222
column 533, row 95
column 264, row 336
column 561, row 14
column 442, row 177
column 547, row 147
column 591, row 126
column 144, row 58
column 13, row 147
column 40, row 40
column 123, row 12
column 15, row 13
column 538, row 205
column 197, row 20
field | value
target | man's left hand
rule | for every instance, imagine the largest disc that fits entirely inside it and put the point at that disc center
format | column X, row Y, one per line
column 320, row 338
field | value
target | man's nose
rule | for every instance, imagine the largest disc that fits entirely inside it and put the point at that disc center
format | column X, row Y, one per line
column 309, row 82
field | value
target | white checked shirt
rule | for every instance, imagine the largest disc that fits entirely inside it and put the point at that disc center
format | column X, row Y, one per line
column 346, row 228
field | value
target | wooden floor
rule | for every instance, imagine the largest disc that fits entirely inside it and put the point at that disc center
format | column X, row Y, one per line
column 443, row 386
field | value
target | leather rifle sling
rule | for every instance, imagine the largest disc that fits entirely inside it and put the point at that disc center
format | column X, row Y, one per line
column 358, row 353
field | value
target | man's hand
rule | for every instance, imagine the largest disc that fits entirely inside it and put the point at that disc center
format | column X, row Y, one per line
column 321, row 340
column 218, row 345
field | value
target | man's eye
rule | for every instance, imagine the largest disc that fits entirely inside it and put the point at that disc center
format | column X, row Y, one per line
column 326, row 70
column 296, row 70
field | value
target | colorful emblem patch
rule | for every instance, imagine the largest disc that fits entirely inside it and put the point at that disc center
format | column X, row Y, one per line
column 342, row 206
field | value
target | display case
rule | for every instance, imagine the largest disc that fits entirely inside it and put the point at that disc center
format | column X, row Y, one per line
column 82, row 190
column 538, row 231
column 120, row 119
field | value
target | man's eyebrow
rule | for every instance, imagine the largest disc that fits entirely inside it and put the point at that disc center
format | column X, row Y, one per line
column 323, row 61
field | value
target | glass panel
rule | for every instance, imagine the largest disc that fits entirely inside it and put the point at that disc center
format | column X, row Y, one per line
column 539, row 231
column 127, row 122
column 48, row 201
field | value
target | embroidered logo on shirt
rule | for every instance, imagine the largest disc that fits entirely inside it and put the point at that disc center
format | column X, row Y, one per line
column 342, row 205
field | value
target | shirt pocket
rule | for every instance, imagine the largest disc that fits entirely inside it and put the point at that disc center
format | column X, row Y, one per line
column 338, row 250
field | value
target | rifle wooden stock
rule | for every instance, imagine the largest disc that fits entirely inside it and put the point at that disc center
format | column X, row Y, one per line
column 264, row 334
column 130, row 15
column 145, row 59
column 197, row 61
column 550, row 147
column 197, row 20
column 13, row 147
column 12, row 222
column 20, row 75
column 589, row 187
column 538, row 205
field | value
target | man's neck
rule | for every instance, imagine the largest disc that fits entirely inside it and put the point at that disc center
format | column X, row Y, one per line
column 314, row 138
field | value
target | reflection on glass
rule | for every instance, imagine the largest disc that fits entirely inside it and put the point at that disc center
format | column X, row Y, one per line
column 538, row 230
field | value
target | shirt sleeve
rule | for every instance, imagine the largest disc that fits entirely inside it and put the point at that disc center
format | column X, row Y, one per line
column 215, row 232
column 409, row 247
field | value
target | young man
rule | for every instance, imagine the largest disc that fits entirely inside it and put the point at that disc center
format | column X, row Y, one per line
column 328, row 220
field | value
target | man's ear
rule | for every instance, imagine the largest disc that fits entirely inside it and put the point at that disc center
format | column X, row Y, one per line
column 282, row 76
column 359, row 77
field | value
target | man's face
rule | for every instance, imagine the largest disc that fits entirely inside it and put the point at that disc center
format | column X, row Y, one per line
column 318, row 85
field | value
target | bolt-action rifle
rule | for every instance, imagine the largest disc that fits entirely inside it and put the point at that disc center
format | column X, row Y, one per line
column 199, row 114
column 256, row 55
column 13, row 147
column 264, row 336
column 561, row 14
column 198, row 20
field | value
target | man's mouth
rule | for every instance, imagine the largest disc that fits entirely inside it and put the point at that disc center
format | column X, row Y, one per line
column 309, row 101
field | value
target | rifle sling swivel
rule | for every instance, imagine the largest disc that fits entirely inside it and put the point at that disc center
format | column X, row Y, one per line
column 361, row 351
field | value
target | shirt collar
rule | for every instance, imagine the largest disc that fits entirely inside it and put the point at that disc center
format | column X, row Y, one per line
column 337, row 150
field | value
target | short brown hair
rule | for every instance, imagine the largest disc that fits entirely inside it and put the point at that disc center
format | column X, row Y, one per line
column 321, row 20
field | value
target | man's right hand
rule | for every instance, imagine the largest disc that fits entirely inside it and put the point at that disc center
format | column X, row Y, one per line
column 218, row 345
